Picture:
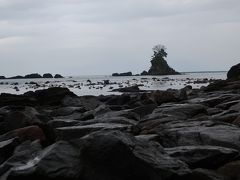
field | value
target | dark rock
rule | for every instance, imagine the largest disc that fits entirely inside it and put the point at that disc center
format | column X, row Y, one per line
column 230, row 170
column 22, row 100
column 74, row 132
column 16, row 77
column 58, row 161
column 56, row 123
column 203, row 174
column 144, row 110
column 210, row 157
column 51, row 96
column 135, row 159
column 6, row 148
column 20, row 118
column 234, row 72
column 47, row 75
column 32, row 76
column 65, row 111
column 122, row 74
column 144, row 73
column 2, row 77
column 128, row 89
column 58, row 76
column 23, row 154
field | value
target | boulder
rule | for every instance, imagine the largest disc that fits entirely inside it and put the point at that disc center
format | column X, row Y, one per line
column 134, row 88
column 2, row 77
column 47, row 75
column 51, row 96
column 32, row 76
column 102, row 155
column 58, row 76
column 234, row 72
column 122, row 74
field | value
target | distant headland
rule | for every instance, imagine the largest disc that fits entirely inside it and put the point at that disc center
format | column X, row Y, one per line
column 159, row 65
column 33, row 76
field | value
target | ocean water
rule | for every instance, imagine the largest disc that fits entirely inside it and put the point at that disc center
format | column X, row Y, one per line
column 94, row 85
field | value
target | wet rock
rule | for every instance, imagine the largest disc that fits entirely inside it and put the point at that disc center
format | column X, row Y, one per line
column 65, row 111
column 2, row 77
column 56, row 123
column 144, row 110
column 22, row 154
column 58, row 161
column 74, row 132
column 209, row 157
column 19, row 119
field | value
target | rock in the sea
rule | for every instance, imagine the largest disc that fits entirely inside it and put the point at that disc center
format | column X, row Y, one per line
column 122, row 74
column 234, row 72
column 128, row 89
column 47, row 75
column 32, row 76
column 2, row 77
column 144, row 73
column 159, row 64
column 58, row 76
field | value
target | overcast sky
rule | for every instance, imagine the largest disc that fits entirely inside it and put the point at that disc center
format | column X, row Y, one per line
column 83, row 37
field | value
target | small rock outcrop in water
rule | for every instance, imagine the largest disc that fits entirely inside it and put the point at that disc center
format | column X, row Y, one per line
column 159, row 64
column 155, row 135
column 47, row 75
column 122, row 74
column 33, row 76
column 2, row 77
column 234, row 72
column 58, row 76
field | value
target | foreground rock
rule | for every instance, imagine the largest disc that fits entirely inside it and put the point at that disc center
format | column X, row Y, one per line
column 102, row 155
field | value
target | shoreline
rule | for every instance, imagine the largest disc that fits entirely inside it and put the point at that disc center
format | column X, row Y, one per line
column 164, row 127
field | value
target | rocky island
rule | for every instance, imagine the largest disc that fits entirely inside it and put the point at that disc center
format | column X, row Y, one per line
column 159, row 65
column 169, row 135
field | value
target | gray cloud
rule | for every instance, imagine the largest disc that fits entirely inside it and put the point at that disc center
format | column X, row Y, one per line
column 104, row 36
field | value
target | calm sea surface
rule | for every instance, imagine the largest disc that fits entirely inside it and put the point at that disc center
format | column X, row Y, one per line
column 94, row 85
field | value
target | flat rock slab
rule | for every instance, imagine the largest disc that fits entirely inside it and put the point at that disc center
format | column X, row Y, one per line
column 210, row 157
column 73, row 132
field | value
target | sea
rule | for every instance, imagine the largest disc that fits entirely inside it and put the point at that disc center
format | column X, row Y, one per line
column 104, row 84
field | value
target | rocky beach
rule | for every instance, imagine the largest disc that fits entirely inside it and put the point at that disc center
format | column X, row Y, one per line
column 148, row 135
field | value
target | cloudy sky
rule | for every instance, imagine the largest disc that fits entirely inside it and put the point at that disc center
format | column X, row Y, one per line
column 82, row 37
